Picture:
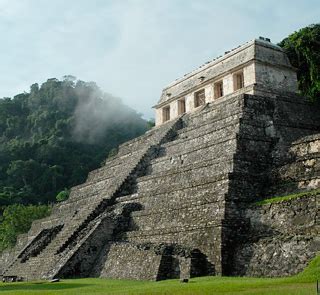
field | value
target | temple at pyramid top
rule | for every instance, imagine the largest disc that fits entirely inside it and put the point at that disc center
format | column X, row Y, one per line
column 257, row 67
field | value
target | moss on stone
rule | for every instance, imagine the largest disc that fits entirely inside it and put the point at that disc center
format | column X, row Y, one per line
column 289, row 197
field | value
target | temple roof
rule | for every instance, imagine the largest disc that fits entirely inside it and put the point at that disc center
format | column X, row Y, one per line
column 257, row 49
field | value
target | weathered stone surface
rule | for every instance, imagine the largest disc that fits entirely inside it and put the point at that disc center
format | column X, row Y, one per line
column 178, row 201
column 281, row 239
column 128, row 261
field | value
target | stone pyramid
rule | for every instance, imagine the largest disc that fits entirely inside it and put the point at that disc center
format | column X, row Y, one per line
column 181, row 200
column 177, row 201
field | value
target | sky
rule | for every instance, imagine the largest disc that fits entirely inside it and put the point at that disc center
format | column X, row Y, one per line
column 132, row 48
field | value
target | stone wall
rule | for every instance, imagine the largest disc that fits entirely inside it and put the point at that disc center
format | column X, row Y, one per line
column 125, row 260
column 282, row 238
column 299, row 169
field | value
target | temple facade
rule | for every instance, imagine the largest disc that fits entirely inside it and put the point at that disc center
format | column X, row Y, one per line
column 257, row 67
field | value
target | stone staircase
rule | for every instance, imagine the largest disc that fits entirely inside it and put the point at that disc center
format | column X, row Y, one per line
column 183, row 194
column 179, row 165
column 101, row 193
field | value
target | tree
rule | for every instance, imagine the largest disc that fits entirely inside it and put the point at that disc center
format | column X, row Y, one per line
column 23, row 172
column 17, row 219
column 63, row 195
column 303, row 50
column 53, row 136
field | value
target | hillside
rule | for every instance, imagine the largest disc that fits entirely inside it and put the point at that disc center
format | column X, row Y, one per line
column 51, row 137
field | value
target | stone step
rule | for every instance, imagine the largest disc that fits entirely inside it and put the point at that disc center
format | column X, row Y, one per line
column 213, row 125
column 236, row 105
column 187, row 157
column 217, row 164
column 136, row 143
column 27, row 269
column 38, row 227
column 62, row 237
column 57, row 242
column 155, row 200
column 68, row 230
column 191, row 130
column 188, row 234
column 126, row 159
column 203, row 137
column 167, row 163
column 147, row 138
column 136, row 148
column 71, row 206
column 216, row 134
column 215, row 109
column 210, row 168
column 165, row 189
column 89, row 189
column 180, row 216
column 217, row 117
column 222, row 146
column 103, row 173
column 179, row 180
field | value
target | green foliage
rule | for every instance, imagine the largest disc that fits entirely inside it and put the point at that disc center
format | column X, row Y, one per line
column 303, row 50
column 311, row 272
column 17, row 219
column 151, row 123
column 63, row 195
column 289, row 197
column 51, row 137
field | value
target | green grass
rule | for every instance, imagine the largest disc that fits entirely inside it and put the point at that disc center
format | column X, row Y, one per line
column 302, row 284
column 289, row 197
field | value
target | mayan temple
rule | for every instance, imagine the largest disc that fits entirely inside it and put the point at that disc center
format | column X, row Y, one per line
column 181, row 200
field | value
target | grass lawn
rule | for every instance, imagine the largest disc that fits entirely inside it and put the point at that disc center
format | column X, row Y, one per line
column 302, row 284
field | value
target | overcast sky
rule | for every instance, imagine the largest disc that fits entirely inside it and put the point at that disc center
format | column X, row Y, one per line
column 132, row 48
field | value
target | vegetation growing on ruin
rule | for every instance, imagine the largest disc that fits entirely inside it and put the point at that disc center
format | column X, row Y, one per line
column 289, row 197
column 303, row 50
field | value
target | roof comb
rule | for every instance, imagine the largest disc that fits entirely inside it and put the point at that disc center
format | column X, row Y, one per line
column 264, row 39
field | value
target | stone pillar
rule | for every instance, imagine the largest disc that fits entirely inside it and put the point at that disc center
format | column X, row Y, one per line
column 185, row 268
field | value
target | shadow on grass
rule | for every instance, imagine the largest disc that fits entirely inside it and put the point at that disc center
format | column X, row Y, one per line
column 41, row 286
